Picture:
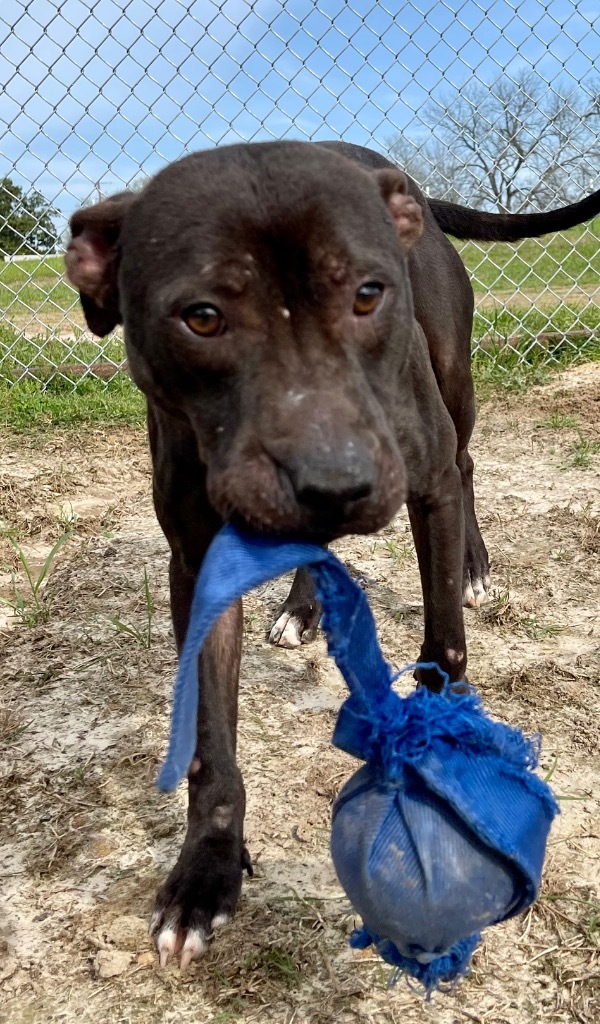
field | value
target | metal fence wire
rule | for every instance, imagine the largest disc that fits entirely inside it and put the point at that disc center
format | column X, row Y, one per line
column 493, row 104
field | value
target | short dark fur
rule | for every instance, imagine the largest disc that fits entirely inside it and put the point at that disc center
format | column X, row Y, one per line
column 304, row 418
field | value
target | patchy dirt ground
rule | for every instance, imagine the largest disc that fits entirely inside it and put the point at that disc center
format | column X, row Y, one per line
column 87, row 666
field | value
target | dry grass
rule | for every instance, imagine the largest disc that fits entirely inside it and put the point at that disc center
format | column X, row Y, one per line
column 84, row 714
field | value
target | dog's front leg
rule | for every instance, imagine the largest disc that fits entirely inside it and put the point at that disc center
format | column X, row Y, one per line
column 202, row 890
column 438, row 529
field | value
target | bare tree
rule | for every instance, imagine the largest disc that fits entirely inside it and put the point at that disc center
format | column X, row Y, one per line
column 518, row 145
column 431, row 165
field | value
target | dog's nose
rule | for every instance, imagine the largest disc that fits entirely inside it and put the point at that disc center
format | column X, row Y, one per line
column 325, row 482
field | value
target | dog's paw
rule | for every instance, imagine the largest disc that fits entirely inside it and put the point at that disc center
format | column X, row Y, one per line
column 476, row 572
column 295, row 626
column 476, row 591
column 287, row 631
column 199, row 896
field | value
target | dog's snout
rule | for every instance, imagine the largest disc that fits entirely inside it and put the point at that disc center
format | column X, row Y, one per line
column 328, row 498
column 327, row 482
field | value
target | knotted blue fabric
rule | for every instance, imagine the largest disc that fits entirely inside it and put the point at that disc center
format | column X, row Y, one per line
column 443, row 830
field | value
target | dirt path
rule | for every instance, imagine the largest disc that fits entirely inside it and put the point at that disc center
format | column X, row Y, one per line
column 84, row 707
column 539, row 298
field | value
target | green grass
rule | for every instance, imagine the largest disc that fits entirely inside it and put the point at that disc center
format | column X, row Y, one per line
column 493, row 327
column 32, row 407
column 507, row 374
column 28, row 407
column 44, row 352
column 37, row 270
column 582, row 454
column 275, row 962
column 561, row 260
column 141, row 635
column 29, row 604
column 558, row 421
column 397, row 552
column 38, row 286
column 502, row 367
column 564, row 318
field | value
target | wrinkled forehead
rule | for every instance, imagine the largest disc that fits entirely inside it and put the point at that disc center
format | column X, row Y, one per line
column 300, row 218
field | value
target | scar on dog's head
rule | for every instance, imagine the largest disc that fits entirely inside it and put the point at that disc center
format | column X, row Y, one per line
column 93, row 253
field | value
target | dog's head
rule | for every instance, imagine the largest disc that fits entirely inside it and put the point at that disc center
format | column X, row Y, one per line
column 265, row 298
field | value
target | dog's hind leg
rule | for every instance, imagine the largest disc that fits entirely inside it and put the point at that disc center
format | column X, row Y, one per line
column 299, row 615
column 444, row 308
column 456, row 387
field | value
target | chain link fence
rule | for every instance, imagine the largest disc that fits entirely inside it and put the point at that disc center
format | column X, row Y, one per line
column 494, row 104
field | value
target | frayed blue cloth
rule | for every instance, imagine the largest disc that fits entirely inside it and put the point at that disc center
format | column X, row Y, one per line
column 443, row 831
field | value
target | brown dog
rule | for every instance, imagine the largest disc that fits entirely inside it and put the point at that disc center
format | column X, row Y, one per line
column 301, row 328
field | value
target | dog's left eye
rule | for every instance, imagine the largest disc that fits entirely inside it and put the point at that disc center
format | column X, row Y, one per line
column 367, row 298
column 204, row 320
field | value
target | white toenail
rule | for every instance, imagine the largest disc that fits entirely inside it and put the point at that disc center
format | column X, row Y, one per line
column 166, row 945
column 194, row 946
column 220, row 920
column 287, row 631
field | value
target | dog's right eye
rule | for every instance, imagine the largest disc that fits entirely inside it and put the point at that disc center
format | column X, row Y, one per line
column 367, row 298
column 205, row 320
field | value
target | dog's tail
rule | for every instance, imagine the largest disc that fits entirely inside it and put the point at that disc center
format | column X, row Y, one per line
column 461, row 222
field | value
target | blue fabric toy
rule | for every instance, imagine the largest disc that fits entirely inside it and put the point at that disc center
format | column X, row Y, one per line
column 443, row 831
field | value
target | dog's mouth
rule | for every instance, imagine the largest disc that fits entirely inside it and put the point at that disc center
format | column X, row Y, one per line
column 308, row 530
column 322, row 535
column 257, row 496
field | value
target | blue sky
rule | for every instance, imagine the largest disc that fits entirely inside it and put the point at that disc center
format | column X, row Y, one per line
column 90, row 93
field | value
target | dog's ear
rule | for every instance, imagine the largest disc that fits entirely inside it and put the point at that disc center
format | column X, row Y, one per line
column 406, row 211
column 92, row 259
